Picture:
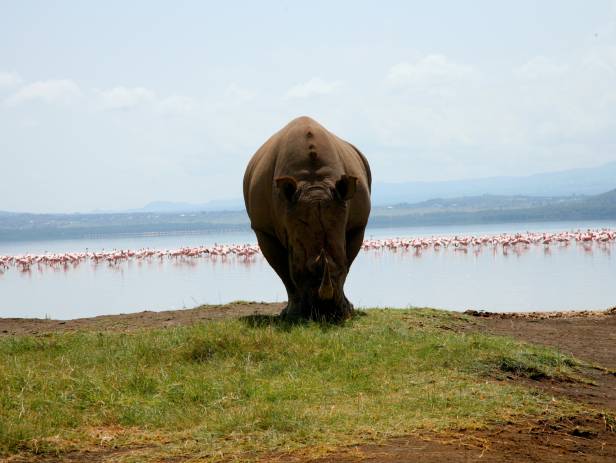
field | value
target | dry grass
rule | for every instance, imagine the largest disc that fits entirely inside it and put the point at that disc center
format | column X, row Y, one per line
column 242, row 387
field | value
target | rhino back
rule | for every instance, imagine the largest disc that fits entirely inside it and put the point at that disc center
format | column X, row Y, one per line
column 305, row 150
column 258, row 184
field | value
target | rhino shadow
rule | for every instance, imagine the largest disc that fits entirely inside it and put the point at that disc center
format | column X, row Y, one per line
column 286, row 323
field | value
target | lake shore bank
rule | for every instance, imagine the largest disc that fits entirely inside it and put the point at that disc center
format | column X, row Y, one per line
column 180, row 317
column 576, row 380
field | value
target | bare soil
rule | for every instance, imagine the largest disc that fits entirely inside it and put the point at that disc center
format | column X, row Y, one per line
column 588, row 336
column 583, row 440
column 133, row 321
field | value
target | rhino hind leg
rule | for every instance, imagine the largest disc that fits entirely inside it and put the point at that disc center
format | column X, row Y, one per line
column 276, row 256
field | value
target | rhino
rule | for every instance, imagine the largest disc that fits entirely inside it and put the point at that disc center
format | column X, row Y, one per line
column 307, row 194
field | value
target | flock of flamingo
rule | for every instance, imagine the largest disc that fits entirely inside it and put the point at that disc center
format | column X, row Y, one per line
column 504, row 240
column 247, row 252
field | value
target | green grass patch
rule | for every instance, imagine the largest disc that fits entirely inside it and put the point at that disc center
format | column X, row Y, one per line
column 252, row 385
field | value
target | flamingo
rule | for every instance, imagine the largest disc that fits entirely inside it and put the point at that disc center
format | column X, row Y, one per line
column 246, row 252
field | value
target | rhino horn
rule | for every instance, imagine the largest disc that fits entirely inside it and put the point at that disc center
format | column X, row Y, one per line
column 326, row 290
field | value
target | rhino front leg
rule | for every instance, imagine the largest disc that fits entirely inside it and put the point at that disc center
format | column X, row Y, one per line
column 277, row 256
column 354, row 240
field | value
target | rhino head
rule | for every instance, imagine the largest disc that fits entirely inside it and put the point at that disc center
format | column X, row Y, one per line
column 314, row 222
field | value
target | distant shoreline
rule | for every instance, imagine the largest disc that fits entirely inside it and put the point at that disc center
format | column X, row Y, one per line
column 468, row 210
column 76, row 235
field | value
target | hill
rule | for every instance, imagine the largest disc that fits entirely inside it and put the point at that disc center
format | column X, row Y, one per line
column 583, row 181
column 598, row 207
column 441, row 211
column 259, row 388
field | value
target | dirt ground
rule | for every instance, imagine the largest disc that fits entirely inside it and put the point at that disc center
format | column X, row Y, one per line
column 589, row 336
column 147, row 319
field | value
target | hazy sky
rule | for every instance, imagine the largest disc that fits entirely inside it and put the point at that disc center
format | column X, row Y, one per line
column 115, row 104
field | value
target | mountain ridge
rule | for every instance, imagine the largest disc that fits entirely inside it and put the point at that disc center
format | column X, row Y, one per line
column 578, row 181
column 456, row 211
column 570, row 182
column 587, row 181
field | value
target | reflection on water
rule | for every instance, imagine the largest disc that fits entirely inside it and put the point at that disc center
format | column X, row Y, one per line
column 519, row 279
column 516, row 278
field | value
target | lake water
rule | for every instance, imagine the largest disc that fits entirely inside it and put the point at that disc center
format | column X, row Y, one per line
column 570, row 277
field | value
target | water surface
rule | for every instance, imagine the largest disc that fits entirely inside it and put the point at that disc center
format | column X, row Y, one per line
column 571, row 277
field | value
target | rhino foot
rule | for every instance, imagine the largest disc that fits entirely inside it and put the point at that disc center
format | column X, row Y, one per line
column 328, row 312
column 292, row 311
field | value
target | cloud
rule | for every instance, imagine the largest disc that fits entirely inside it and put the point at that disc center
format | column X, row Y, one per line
column 315, row 86
column 124, row 98
column 539, row 67
column 8, row 79
column 430, row 70
column 175, row 106
column 601, row 61
column 238, row 94
column 49, row 91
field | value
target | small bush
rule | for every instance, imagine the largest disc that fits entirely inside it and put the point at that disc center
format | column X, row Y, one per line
column 521, row 368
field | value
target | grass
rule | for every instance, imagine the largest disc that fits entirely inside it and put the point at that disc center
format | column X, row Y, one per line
column 239, row 387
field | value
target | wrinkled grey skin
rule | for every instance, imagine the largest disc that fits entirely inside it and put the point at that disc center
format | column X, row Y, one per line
column 307, row 193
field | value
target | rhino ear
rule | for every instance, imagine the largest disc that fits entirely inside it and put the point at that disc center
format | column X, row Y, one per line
column 346, row 187
column 288, row 187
